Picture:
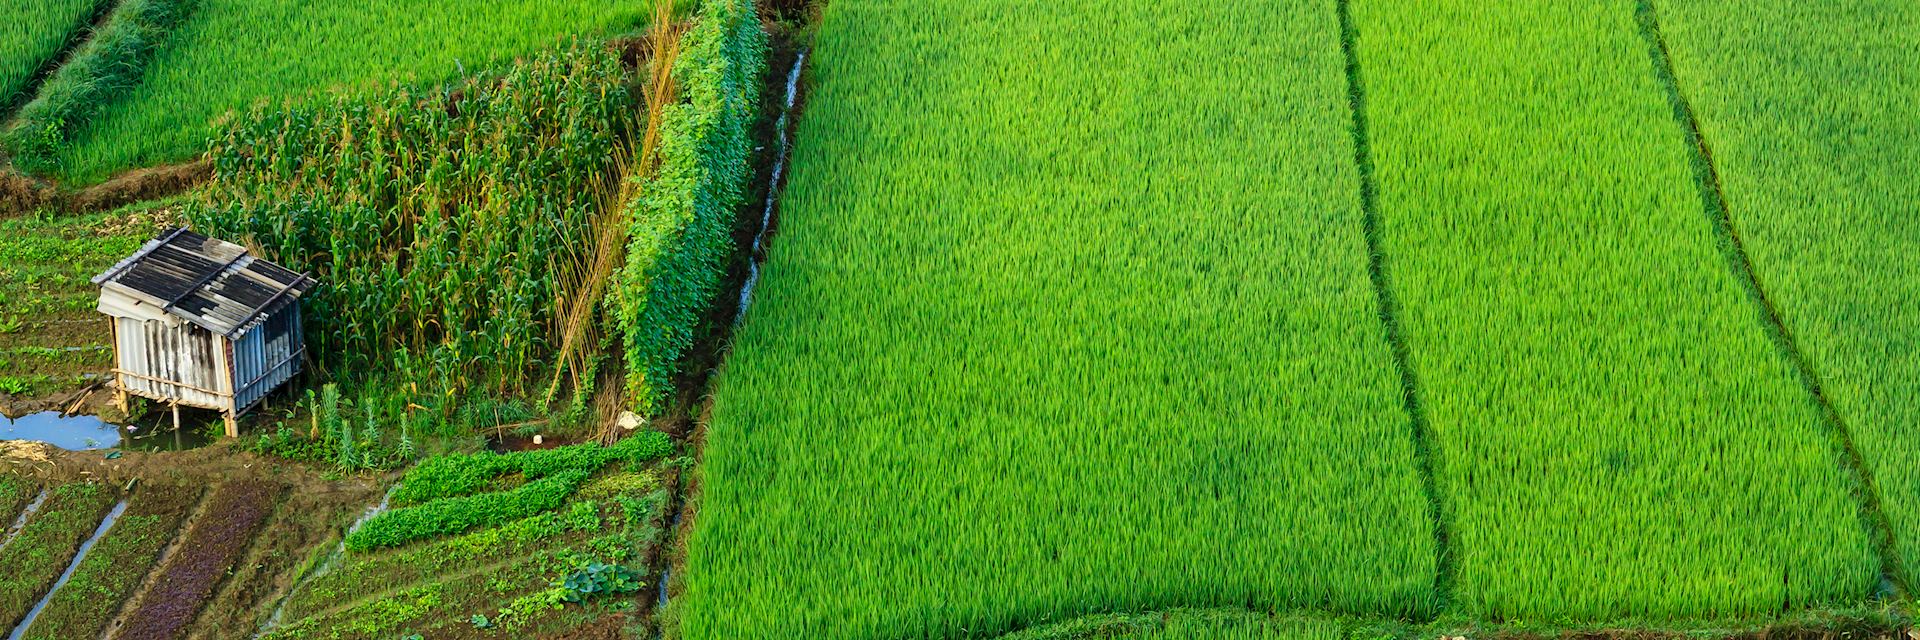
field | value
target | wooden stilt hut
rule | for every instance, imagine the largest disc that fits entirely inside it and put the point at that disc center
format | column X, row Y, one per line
column 199, row 322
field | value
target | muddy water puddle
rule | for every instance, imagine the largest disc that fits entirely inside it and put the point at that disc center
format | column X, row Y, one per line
column 73, row 433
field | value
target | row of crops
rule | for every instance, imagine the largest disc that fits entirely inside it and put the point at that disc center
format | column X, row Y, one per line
column 87, row 558
column 474, row 547
column 1058, row 327
column 546, row 543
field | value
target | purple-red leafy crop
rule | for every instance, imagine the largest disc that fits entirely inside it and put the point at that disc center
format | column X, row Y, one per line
column 234, row 514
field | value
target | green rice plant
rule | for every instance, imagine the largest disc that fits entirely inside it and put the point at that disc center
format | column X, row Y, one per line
column 44, row 547
column 34, row 32
column 433, row 217
column 107, row 66
column 1054, row 327
column 234, row 53
column 1615, row 434
column 1809, row 112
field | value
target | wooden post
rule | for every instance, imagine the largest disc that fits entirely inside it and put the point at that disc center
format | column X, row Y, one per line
column 233, row 425
column 176, row 424
column 121, row 400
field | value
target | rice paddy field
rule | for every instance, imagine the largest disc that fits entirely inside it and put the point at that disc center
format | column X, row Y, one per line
column 232, row 54
column 1814, row 132
column 1112, row 331
column 1026, row 331
column 33, row 34
column 1606, row 448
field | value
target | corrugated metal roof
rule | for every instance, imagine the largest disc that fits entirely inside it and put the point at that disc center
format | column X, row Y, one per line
column 212, row 283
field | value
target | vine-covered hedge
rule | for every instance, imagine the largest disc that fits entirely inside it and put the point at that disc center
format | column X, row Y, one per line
column 100, row 71
column 682, row 222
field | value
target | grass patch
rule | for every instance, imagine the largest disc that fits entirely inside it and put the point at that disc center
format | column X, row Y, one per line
column 35, row 558
column 116, row 564
column 1054, row 327
column 234, row 53
column 1616, row 435
column 1808, row 112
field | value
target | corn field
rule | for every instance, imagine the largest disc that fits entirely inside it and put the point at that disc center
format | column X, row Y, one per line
column 1053, row 327
column 234, row 53
column 437, row 218
column 1822, row 191
column 1616, row 434
column 33, row 32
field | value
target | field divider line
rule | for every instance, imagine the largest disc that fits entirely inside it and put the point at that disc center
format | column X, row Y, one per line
column 1714, row 200
column 1425, row 452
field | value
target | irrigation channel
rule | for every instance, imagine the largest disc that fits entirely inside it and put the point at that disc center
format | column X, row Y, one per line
column 327, row 565
column 20, row 630
column 785, row 134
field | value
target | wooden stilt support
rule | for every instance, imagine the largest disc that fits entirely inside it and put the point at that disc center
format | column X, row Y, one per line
column 233, row 425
